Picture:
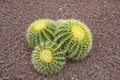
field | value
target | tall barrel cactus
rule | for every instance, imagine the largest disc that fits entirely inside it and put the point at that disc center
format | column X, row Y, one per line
column 46, row 59
column 40, row 31
column 74, row 37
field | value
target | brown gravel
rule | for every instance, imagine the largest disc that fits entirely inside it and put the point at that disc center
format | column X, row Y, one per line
column 102, row 17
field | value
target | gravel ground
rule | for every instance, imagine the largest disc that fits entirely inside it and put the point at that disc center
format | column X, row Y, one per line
column 102, row 17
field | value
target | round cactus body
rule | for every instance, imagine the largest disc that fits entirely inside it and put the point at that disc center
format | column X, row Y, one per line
column 74, row 37
column 40, row 31
column 46, row 59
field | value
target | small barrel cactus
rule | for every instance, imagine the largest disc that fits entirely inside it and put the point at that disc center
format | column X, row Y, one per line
column 74, row 37
column 46, row 59
column 40, row 31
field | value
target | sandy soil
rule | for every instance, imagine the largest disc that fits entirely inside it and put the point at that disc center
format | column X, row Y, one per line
column 102, row 17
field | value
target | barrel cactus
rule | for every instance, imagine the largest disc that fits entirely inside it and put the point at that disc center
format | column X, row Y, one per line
column 74, row 37
column 48, row 59
column 40, row 31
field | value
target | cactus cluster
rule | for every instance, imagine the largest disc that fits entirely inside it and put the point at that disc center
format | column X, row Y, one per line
column 56, row 41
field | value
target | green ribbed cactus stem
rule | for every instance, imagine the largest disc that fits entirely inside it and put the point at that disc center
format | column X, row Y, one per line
column 40, row 31
column 47, row 60
column 74, row 37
